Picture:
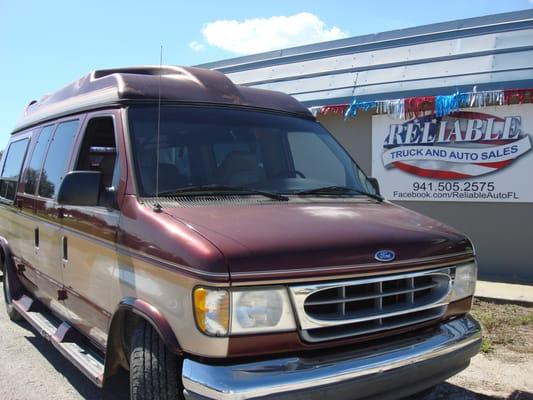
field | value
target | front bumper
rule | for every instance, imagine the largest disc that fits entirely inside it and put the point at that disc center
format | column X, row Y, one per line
column 389, row 371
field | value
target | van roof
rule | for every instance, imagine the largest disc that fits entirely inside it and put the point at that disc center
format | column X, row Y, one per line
column 187, row 85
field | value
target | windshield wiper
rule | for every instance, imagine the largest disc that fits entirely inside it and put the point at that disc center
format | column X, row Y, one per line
column 338, row 190
column 219, row 189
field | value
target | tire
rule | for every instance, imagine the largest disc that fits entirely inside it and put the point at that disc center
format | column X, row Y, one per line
column 153, row 369
column 8, row 299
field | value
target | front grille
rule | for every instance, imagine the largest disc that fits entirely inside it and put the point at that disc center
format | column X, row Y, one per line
column 335, row 310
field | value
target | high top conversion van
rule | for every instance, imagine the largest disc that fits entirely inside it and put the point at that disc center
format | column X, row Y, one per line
column 214, row 241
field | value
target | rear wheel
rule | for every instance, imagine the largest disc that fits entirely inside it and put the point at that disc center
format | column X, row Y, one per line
column 153, row 368
column 8, row 299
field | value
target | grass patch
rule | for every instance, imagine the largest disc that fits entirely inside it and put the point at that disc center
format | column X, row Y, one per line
column 486, row 346
column 504, row 325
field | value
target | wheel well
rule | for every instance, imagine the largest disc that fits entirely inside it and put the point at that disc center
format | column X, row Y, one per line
column 123, row 325
column 121, row 330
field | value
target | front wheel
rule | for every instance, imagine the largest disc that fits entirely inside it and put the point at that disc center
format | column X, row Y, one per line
column 153, row 368
column 8, row 298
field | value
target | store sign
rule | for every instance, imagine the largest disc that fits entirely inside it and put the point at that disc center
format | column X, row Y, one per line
column 476, row 155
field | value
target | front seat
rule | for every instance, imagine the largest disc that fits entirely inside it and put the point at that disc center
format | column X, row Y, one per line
column 169, row 178
column 240, row 168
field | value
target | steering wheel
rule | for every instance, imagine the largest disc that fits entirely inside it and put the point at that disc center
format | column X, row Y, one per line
column 300, row 174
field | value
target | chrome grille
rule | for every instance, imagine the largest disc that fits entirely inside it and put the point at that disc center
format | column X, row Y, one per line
column 334, row 310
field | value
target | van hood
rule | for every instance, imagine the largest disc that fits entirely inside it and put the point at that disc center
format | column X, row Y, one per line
column 297, row 240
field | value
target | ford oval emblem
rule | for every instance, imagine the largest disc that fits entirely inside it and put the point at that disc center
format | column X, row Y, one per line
column 385, row 255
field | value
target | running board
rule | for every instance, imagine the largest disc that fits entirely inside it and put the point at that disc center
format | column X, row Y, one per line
column 63, row 337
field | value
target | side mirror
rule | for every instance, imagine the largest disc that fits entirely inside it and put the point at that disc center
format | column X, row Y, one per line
column 375, row 184
column 80, row 188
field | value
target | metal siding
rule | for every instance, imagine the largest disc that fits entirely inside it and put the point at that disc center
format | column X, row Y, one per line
column 459, row 53
column 485, row 69
column 412, row 73
column 398, row 89
column 507, row 41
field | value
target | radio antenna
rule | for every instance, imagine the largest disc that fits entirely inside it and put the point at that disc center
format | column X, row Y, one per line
column 157, row 206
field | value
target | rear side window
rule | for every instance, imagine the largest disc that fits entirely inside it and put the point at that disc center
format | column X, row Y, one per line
column 36, row 161
column 11, row 170
column 56, row 158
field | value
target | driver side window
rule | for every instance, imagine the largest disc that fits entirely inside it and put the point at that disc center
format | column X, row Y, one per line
column 99, row 153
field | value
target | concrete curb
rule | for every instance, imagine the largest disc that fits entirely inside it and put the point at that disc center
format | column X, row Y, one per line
column 505, row 293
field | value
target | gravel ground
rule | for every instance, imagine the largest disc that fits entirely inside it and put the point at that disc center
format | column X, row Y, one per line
column 31, row 369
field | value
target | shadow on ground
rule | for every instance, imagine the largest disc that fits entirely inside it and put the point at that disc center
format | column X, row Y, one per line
column 78, row 381
column 447, row 391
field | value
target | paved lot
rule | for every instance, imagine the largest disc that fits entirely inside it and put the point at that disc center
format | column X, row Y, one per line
column 31, row 369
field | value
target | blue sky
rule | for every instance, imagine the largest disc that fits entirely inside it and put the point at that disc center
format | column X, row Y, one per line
column 45, row 45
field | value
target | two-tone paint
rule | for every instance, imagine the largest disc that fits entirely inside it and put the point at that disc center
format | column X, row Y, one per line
column 99, row 267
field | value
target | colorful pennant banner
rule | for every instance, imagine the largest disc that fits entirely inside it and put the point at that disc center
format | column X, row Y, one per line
column 415, row 107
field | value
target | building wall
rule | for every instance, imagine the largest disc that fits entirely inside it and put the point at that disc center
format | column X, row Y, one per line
column 355, row 135
column 502, row 232
column 502, row 235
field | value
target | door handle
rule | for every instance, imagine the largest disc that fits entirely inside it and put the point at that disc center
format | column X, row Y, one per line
column 36, row 238
column 65, row 248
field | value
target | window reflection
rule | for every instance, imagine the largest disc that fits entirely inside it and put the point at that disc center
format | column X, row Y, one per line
column 56, row 158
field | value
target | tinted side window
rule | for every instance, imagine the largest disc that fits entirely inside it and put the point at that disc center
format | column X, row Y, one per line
column 36, row 161
column 11, row 170
column 56, row 158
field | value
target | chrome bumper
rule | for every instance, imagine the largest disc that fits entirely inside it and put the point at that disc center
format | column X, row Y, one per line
column 398, row 368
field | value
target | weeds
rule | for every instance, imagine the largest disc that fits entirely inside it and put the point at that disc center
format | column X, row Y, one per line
column 504, row 325
column 486, row 346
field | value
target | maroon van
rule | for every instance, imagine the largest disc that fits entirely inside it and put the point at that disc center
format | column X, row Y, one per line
column 212, row 241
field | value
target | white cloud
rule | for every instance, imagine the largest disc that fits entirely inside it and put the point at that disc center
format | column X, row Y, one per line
column 196, row 46
column 263, row 34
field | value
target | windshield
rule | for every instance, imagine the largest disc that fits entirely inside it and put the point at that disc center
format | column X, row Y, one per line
column 208, row 146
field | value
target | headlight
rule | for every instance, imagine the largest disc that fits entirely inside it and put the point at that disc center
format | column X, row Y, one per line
column 211, row 310
column 252, row 311
column 256, row 311
column 464, row 283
